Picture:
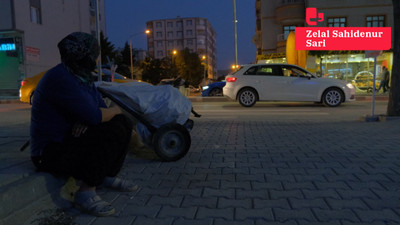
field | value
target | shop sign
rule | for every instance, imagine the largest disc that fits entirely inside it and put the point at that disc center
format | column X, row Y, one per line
column 340, row 38
column 32, row 54
column 7, row 44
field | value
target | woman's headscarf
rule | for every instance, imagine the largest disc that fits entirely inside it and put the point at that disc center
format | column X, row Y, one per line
column 79, row 52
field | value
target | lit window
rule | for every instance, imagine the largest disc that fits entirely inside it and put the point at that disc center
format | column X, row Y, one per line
column 375, row 21
column 337, row 22
column 287, row 29
column 35, row 11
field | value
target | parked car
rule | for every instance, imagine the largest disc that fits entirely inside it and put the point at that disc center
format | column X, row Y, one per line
column 214, row 89
column 28, row 85
column 284, row 82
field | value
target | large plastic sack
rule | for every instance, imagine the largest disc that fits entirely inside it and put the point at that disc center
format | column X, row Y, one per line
column 158, row 105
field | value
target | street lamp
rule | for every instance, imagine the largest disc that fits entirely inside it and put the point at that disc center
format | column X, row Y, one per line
column 173, row 66
column 205, row 70
column 130, row 46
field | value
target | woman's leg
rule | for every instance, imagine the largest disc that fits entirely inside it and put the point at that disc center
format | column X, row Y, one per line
column 98, row 153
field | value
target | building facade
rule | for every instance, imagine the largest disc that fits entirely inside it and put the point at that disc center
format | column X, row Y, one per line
column 196, row 34
column 30, row 31
column 276, row 18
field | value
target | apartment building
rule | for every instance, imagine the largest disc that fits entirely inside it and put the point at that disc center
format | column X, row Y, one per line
column 276, row 18
column 195, row 33
column 30, row 31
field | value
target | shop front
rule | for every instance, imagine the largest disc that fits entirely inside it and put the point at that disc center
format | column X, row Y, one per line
column 11, row 63
column 350, row 66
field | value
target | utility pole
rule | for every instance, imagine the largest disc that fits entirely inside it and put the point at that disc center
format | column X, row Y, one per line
column 98, row 38
column 235, row 31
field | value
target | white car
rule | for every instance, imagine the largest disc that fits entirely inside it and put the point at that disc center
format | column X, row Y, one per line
column 284, row 82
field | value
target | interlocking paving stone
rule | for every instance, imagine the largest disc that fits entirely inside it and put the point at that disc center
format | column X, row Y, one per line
column 227, row 213
column 283, row 215
column 308, row 203
column 264, row 213
column 168, row 211
column 276, row 177
column 272, row 203
column 182, row 221
column 237, row 203
column 383, row 215
column 336, row 204
column 210, row 202
column 342, row 214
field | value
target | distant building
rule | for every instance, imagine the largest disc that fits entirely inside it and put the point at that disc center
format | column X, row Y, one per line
column 195, row 33
column 276, row 18
column 30, row 31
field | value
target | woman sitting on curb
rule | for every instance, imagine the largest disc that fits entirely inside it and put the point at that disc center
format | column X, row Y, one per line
column 73, row 133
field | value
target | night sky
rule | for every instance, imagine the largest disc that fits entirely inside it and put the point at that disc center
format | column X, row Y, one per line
column 127, row 17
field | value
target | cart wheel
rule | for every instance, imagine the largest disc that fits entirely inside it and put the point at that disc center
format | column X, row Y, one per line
column 171, row 142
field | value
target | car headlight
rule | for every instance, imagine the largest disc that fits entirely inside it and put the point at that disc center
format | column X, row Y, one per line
column 205, row 87
column 350, row 86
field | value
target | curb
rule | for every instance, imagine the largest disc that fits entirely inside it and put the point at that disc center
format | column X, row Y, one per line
column 27, row 197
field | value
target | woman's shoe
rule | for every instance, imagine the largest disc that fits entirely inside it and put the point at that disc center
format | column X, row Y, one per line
column 96, row 206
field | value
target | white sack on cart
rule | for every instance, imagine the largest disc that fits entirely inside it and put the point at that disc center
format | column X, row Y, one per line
column 158, row 105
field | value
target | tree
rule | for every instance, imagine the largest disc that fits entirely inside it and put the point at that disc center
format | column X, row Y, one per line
column 189, row 66
column 107, row 49
column 393, row 108
column 154, row 70
column 123, row 60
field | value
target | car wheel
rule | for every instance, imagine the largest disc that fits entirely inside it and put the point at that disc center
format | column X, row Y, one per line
column 215, row 92
column 333, row 97
column 247, row 97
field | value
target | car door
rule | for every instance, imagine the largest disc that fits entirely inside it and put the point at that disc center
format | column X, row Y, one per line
column 272, row 82
column 299, row 85
column 264, row 78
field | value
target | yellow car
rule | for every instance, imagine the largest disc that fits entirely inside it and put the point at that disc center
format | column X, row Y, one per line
column 28, row 85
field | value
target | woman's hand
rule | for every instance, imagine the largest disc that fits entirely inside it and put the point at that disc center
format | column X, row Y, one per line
column 78, row 129
column 108, row 113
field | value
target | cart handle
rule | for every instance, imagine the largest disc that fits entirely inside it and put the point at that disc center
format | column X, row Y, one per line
column 127, row 108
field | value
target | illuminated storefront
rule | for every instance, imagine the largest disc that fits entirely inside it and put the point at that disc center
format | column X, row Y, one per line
column 351, row 66
column 11, row 63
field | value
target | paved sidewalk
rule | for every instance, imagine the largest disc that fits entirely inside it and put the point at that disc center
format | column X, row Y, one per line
column 268, row 172
column 298, row 172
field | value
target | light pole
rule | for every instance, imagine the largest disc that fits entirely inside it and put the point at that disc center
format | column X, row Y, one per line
column 173, row 66
column 204, row 58
column 130, row 47
column 235, row 31
column 98, row 39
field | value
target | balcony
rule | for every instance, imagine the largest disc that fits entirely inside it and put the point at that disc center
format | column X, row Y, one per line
column 290, row 12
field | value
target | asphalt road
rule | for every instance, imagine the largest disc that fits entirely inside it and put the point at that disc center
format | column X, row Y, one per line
column 283, row 111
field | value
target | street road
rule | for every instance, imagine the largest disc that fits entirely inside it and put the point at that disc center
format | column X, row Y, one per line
column 283, row 111
column 17, row 114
